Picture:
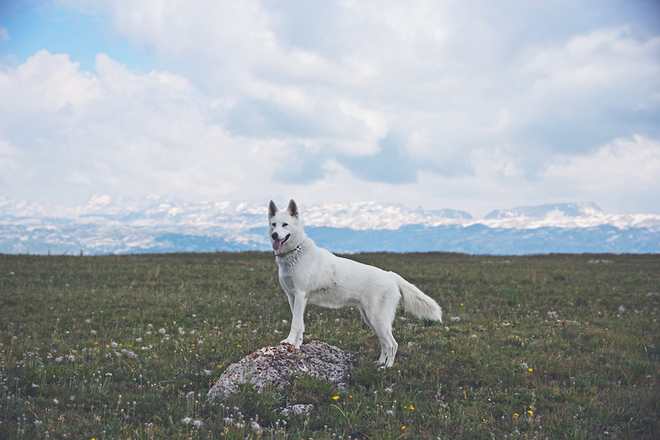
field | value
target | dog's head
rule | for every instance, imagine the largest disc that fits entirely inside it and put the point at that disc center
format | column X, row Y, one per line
column 282, row 224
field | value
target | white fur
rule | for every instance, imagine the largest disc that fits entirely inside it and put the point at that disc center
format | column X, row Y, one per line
column 309, row 274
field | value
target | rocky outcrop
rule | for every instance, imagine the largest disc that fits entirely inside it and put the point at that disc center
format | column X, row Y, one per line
column 274, row 365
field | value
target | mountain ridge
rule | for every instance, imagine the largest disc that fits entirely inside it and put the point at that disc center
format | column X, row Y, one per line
column 107, row 225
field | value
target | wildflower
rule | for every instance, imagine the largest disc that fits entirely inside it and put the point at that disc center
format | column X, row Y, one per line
column 515, row 416
column 56, row 402
column 530, row 412
column 162, row 331
column 335, row 398
column 411, row 408
column 113, row 344
column 198, row 423
column 187, row 420
column 138, row 340
column 94, row 332
column 238, row 345
column 181, row 331
column 530, row 370
column 403, row 427
column 59, row 359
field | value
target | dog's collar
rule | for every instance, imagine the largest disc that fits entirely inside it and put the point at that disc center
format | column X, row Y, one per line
column 286, row 254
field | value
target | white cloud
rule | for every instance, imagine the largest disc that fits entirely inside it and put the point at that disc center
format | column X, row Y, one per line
column 625, row 173
column 120, row 132
column 47, row 83
column 4, row 35
column 624, row 163
column 498, row 102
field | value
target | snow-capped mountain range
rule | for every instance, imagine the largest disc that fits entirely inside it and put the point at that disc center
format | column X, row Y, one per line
column 161, row 224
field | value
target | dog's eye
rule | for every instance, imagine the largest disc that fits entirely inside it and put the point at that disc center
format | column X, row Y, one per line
column 284, row 225
column 273, row 224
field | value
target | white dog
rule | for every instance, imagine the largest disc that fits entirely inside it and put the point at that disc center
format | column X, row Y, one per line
column 313, row 275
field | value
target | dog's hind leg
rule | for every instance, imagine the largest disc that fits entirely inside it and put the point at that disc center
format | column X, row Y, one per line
column 378, row 334
column 380, row 320
column 388, row 345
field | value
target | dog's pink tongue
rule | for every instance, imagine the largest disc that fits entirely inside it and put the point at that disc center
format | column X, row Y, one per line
column 277, row 245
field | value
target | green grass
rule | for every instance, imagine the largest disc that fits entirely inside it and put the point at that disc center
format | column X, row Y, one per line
column 128, row 346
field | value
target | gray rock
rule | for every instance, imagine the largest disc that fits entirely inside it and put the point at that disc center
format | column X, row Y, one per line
column 273, row 365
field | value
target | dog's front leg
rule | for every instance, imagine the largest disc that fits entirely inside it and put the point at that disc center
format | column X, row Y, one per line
column 297, row 322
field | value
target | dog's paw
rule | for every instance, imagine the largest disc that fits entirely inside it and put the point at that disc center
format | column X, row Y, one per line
column 291, row 342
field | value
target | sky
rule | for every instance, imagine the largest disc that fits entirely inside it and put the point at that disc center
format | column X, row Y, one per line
column 471, row 105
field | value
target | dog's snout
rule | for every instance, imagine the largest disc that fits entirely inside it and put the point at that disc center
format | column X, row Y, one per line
column 274, row 235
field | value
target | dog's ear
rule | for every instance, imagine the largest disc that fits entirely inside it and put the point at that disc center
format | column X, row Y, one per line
column 293, row 209
column 272, row 209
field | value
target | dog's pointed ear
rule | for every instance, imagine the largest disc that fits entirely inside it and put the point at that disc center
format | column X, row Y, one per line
column 293, row 209
column 272, row 209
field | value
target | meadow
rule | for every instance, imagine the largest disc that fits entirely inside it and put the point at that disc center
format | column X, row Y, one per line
column 126, row 347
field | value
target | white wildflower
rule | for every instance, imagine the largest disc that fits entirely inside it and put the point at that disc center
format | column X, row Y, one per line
column 256, row 428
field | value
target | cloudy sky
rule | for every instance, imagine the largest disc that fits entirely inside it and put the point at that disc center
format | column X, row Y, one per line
column 472, row 105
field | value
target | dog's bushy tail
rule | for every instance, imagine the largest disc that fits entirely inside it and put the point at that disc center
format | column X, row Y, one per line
column 417, row 302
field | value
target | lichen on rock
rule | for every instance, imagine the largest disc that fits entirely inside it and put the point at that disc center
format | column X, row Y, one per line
column 274, row 365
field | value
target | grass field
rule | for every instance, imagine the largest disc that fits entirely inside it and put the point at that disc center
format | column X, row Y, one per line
column 558, row 347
